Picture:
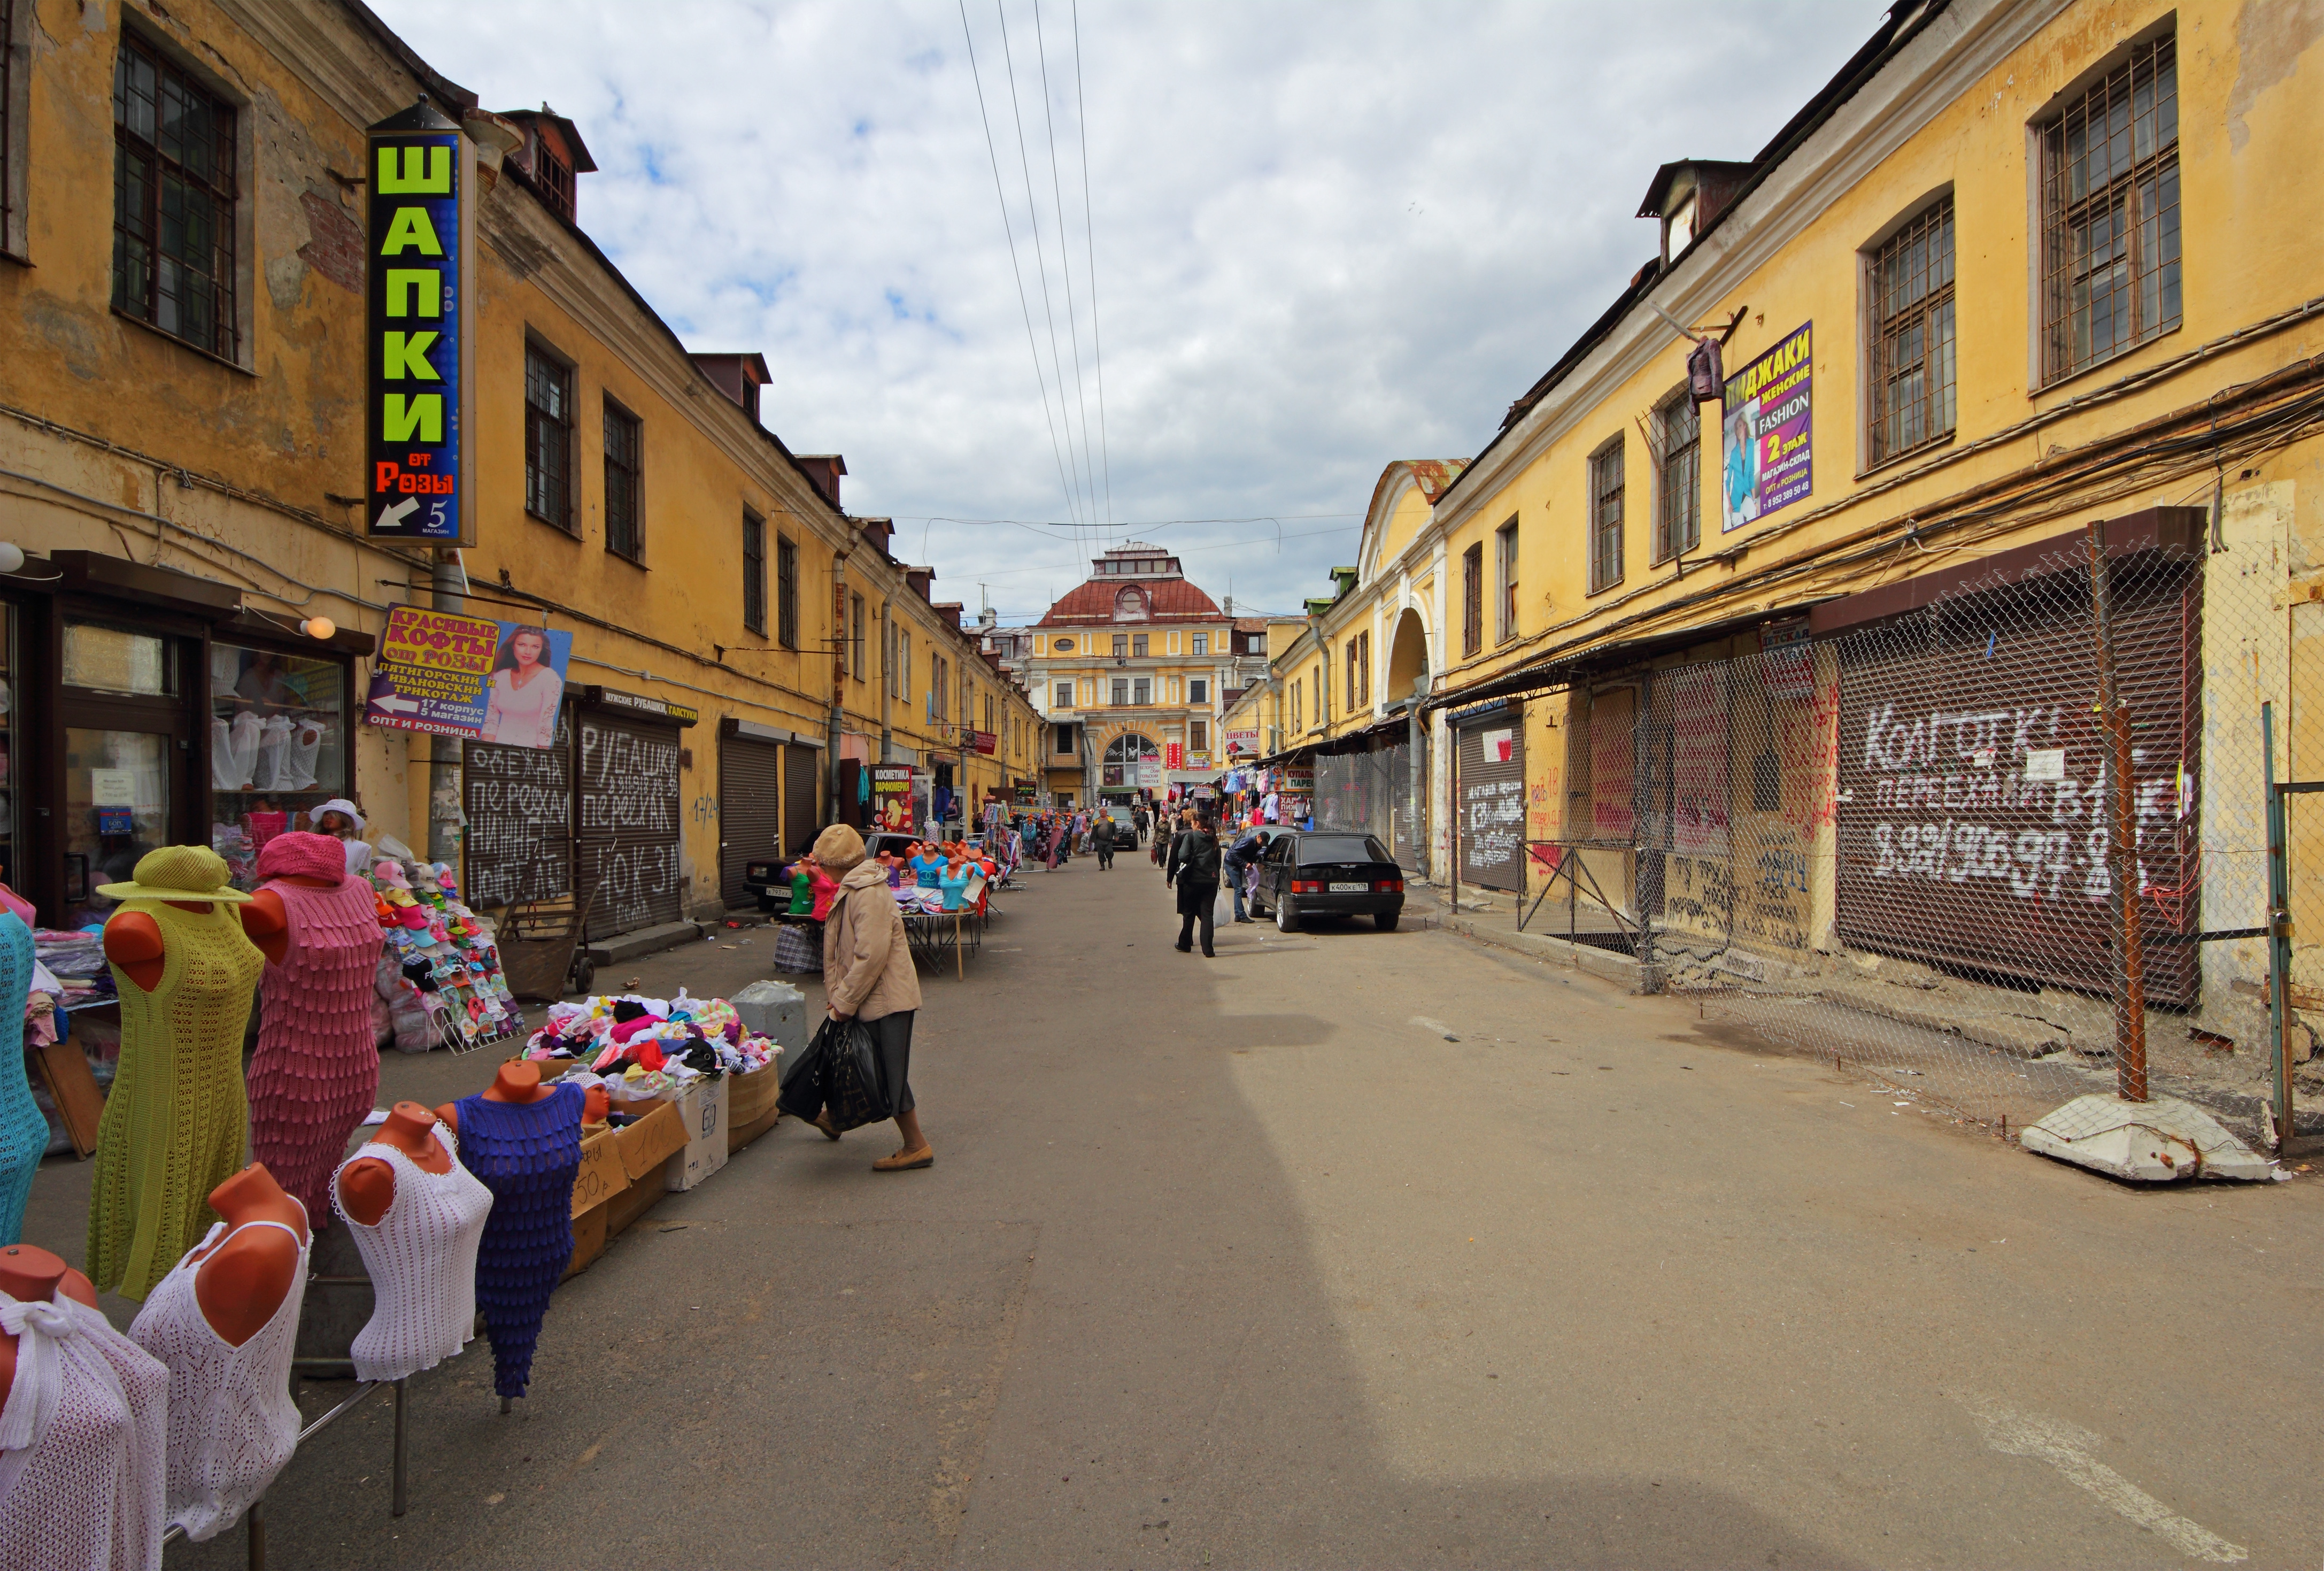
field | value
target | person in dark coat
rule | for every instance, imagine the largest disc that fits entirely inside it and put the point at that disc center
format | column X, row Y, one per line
column 1103, row 838
column 1194, row 870
column 1244, row 855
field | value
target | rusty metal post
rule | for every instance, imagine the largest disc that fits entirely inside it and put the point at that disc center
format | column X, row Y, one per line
column 2280, row 1015
column 2122, row 841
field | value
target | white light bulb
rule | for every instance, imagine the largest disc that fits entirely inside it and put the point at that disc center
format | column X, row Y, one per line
column 12, row 556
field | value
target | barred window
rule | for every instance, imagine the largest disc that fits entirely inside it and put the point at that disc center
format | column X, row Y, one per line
column 173, row 196
column 754, row 572
column 625, row 528
column 787, row 628
column 1912, row 380
column 1472, row 599
column 2110, row 272
column 1606, row 516
column 1678, row 476
column 547, row 437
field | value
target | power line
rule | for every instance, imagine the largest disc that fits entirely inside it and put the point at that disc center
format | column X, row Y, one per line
column 1089, row 229
column 1033, row 217
column 1064, row 256
column 1015, row 270
column 1154, row 523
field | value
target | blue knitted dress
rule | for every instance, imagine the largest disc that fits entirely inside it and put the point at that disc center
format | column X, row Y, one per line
column 526, row 1153
column 23, row 1128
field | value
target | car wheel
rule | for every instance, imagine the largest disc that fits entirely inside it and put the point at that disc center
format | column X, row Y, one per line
column 1385, row 920
column 1286, row 919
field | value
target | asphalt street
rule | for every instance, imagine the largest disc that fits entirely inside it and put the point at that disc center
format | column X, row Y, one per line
column 1352, row 1248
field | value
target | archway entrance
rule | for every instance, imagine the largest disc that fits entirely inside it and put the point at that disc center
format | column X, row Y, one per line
column 1117, row 776
column 1407, row 660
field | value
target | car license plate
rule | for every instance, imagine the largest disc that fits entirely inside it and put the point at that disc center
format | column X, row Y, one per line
column 1351, row 889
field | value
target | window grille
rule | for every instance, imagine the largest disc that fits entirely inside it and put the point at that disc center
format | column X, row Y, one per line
column 1606, row 516
column 624, row 531
column 173, row 197
column 548, row 439
column 1678, row 476
column 1912, row 381
column 2110, row 268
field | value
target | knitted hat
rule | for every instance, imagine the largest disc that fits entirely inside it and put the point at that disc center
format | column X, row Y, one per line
column 839, row 849
column 299, row 855
column 177, row 873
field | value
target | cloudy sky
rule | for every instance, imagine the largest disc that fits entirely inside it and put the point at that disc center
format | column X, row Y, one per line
column 1324, row 236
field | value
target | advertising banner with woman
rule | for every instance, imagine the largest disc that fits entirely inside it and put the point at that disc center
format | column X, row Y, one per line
column 450, row 675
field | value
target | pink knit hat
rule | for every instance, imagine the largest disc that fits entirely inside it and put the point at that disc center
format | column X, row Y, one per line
column 299, row 855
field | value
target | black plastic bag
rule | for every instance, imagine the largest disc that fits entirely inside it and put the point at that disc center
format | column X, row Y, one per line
column 854, row 1089
column 801, row 1093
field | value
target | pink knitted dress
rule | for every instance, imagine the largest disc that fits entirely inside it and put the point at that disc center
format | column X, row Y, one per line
column 317, row 1068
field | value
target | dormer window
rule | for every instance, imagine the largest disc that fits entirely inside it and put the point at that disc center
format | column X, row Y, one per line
column 1130, row 605
column 1681, row 231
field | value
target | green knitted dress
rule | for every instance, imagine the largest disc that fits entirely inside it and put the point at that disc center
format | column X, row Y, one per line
column 176, row 1121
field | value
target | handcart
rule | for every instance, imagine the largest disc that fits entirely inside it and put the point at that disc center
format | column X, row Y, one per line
column 542, row 954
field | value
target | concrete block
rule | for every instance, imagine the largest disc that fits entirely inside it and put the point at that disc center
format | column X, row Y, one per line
column 774, row 1010
column 2162, row 1141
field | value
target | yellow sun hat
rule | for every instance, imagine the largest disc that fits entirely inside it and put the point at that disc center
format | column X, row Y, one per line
column 189, row 873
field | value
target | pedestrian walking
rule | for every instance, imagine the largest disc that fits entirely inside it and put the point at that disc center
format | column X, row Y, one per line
column 1102, row 838
column 1194, row 870
column 868, row 977
column 1241, row 857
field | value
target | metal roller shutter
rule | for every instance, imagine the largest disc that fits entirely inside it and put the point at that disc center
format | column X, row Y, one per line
column 1490, row 822
column 520, row 831
column 1949, row 853
column 750, row 811
column 628, row 819
column 802, row 768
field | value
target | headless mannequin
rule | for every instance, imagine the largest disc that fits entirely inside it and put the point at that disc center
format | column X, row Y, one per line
column 368, row 1186
column 247, row 1275
column 520, row 1082
column 132, row 940
column 28, row 1274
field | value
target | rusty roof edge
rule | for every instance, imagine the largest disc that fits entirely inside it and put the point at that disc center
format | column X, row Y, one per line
column 1884, row 43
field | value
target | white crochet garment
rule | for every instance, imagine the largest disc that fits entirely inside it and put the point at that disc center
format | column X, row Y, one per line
column 232, row 1422
column 422, row 1261
column 80, row 1443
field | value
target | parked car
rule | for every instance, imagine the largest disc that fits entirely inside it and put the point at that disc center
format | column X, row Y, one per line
column 770, row 882
column 1125, row 825
column 1329, row 872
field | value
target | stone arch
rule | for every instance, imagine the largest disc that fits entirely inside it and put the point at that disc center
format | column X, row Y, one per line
column 1408, row 659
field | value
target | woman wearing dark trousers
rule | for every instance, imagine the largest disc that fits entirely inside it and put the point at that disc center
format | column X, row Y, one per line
column 1194, row 870
column 868, row 975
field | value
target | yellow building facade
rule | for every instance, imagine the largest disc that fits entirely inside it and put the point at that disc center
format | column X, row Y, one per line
column 2022, row 268
column 184, row 457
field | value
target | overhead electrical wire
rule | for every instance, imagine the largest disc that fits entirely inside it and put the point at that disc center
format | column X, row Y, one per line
column 1041, row 257
column 1066, row 259
column 1016, row 269
column 1089, row 230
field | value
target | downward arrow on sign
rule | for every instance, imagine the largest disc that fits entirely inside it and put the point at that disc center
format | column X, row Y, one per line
column 393, row 516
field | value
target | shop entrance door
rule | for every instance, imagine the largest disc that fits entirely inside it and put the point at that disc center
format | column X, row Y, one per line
column 802, row 768
column 127, row 753
column 750, row 812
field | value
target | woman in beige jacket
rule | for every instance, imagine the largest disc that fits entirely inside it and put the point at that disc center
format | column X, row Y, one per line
column 868, row 975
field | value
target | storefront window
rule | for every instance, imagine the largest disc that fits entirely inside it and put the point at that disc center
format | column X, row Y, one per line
column 278, row 746
column 116, row 809
column 117, row 659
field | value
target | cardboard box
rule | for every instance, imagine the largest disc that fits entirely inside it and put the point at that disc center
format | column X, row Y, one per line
column 588, row 1239
column 600, row 1177
column 627, row 1207
column 751, row 1096
column 652, row 1140
column 704, row 1109
column 739, row 1135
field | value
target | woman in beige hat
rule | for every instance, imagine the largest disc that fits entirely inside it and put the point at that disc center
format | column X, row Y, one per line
column 867, row 976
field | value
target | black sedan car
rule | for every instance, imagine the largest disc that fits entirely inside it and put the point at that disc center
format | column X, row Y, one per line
column 1329, row 872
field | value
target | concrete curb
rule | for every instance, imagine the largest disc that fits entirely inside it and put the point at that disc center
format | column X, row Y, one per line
column 652, row 940
column 1502, row 934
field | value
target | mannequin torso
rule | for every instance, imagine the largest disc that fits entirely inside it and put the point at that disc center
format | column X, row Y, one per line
column 520, row 1082
column 251, row 1270
column 28, row 1275
column 132, row 940
column 367, row 1186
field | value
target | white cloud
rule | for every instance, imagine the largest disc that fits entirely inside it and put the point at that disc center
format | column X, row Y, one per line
column 1327, row 235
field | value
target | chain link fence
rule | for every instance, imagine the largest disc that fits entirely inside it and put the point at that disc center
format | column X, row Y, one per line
column 1995, row 835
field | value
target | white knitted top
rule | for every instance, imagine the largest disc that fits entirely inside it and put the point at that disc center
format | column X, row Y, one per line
column 422, row 1261
column 80, row 1443
column 232, row 1422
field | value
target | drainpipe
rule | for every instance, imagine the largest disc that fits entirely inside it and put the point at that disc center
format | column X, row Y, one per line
column 450, row 581
column 838, row 675
column 1418, row 789
column 887, row 680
